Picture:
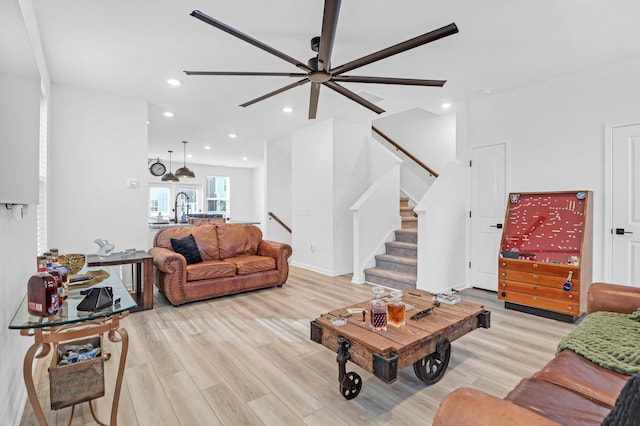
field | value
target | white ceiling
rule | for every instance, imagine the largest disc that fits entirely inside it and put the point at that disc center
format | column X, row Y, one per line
column 131, row 47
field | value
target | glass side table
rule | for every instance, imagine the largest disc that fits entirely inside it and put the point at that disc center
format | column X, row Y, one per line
column 70, row 324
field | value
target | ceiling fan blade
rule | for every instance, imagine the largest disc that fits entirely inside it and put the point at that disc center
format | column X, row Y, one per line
column 397, row 48
column 242, row 73
column 242, row 36
column 328, row 35
column 275, row 92
column 313, row 100
column 388, row 80
column 351, row 95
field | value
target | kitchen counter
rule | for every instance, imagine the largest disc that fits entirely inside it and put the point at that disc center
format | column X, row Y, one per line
column 159, row 225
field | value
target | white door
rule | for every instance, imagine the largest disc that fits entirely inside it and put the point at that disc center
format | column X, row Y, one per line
column 488, row 203
column 625, row 262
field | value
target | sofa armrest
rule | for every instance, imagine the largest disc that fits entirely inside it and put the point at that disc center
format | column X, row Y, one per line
column 167, row 261
column 171, row 273
column 613, row 298
column 280, row 252
column 471, row 407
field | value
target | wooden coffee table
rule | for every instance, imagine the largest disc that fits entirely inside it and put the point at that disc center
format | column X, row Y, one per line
column 424, row 343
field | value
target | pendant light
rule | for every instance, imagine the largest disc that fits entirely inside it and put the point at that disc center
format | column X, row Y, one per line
column 169, row 177
column 184, row 172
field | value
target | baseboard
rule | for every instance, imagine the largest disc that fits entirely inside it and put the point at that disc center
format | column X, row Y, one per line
column 541, row 312
column 320, row 270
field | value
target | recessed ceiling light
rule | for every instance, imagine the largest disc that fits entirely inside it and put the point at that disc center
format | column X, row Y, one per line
column 287, row 109
column 233, row 135
column 168, row 114
column 207, row 147
column 245, row 158
column 174, row 82
column 486, row 91
column 446, row 105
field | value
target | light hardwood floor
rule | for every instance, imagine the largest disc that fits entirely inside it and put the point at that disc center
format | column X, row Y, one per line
column 247, row 360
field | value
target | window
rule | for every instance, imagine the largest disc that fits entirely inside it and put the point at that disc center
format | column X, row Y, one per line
column 41, row 209
column 192, row 193
column 217, row 195
column 162, row 200
column 159, row 202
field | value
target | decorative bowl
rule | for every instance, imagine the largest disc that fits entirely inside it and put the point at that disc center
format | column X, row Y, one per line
column 73, row 262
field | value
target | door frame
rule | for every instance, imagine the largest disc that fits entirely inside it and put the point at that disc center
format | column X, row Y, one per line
column 507, row 188
column 608, row 193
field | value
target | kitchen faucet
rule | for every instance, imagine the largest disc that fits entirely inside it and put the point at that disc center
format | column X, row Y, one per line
column 175, row 206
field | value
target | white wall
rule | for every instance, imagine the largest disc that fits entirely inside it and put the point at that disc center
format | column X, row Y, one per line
column 259, row 186
column 556, row 133
column 17, row 263
column 278, row 188
column 441, row 237
column 19, row 140
column 312, row 197
column 19, row 136
column 430, row 138
column 349, row 183
column 328, row 175
column 98, row 143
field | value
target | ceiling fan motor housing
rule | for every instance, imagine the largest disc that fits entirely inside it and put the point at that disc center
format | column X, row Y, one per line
column 315, row 43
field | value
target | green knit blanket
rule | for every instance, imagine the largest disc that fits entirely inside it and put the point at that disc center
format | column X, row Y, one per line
column 609, row 339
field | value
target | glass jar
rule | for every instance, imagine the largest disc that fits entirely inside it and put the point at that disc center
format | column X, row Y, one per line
column 396, row 309
column 378, row 311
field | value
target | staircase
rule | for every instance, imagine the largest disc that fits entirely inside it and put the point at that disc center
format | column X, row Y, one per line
column 398, row 267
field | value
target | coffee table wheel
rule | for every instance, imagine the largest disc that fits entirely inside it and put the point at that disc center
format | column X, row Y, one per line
column 431, row 368
column 351, row 385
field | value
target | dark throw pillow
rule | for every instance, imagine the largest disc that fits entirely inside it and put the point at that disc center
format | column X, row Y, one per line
column 188, row 248
column 626, row 412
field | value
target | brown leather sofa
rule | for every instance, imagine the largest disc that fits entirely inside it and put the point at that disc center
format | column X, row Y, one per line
column 569, row 390
column 235, row 258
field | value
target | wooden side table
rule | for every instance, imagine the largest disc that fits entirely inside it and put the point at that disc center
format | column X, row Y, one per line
column 143, row 284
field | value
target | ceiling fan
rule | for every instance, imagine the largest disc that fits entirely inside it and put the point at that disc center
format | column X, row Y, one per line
column 318, row 70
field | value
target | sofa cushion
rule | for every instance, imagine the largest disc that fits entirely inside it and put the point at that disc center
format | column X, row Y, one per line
column 575, row 372
column 250, row 264
column 626, row 411
column 210, row 269
column 188, row 248
column 557, row 403
column 238, row 240
column 207, row 240
column 205, row 235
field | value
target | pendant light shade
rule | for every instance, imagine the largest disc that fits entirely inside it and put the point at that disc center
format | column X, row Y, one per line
column 169, row 177
column 184, row 172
